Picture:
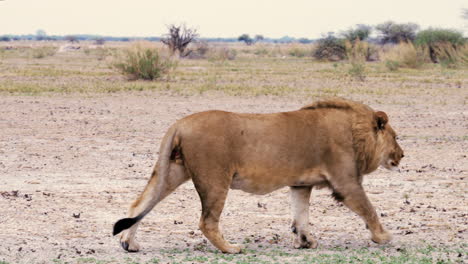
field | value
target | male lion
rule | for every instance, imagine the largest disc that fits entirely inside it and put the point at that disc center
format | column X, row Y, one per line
column 330, row 143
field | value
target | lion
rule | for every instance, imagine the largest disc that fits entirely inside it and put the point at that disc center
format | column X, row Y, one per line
column 331, row 143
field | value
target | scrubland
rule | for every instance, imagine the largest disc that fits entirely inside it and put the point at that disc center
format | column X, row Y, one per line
column 78, row 141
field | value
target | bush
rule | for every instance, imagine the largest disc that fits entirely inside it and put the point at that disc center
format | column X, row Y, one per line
column 360, row 32
column 178, row 38
column 199, row 51
column 5, row 38
column 222, row 54
column 392, row 32
column 361, row 50
column 405, row 55
column 449, row 56
column 42, row 52
column 330, row 48
column 440, row 42
column 392, row 65
column 357, row 70
column 144, row 63
column 299, row 51
column 246, row 38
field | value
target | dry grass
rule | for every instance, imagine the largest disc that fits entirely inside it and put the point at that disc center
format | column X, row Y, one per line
column 406, row 55
column 261, row 69
column 451, row 57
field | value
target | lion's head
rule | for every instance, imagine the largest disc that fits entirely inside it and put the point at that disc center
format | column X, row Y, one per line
column 391, row 153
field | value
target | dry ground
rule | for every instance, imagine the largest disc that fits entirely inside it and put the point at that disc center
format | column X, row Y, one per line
column 71, row 163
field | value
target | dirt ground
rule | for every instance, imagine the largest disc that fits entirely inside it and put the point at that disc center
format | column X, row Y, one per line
column 70, row 166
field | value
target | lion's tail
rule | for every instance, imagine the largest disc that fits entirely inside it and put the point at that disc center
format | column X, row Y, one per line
column 163, row 168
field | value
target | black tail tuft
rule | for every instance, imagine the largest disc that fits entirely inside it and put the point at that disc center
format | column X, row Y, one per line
column 123, row 224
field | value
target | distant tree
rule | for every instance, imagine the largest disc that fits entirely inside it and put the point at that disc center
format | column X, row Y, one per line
column 304, row 41
column 437, row 38
column 246, row 38
column 392, row 32
column 5, row 38
column 360, row 32
column 330, row 48
column 99, row 41
column 71, row 38
column 41, row 34
column 259, row 38
column 178, row 38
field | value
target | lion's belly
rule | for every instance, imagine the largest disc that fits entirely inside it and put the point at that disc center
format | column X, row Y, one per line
column 262, row 183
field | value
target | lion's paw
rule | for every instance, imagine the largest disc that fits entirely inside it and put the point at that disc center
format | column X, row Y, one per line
column 129, row 245
column 232, row 249
column 305, row 241
column 382, row 238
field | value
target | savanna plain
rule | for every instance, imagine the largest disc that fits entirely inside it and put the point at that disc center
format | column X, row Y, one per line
column 78, row 142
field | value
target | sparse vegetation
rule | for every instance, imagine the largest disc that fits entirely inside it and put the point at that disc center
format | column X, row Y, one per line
column 405, row 55
column 42, row 52
column 300, row 51
column 178, row 38
column 361, row 50
column 267, row 68
column 222, row 53
column 391, row 32
column 144, row 62
column 72, row 39
column 246, row 38
column 360, row 32
column 330, row 48
column 442, row 44
column 410, row 255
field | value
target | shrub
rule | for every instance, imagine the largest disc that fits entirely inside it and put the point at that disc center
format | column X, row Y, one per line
column 405, row 55
column 99, row 41
column 304, row 41
column 360, row 32
column 5, row 38
column 178, row 38
column 42, row 52
column 357, row 70
column 222, row 54
column 199, row 51
column 361, row 50
column 299, row 51
column 144, row 63
column 261, row 50
column 392, row 32
column 392, row 65
column 440, row 42
column 449, row 56
column 246, row 38
column 330, row 48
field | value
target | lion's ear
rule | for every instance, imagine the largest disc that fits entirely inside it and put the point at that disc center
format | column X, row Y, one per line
column 381, row 119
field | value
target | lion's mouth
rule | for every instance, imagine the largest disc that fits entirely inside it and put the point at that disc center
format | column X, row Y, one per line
column 391, row 165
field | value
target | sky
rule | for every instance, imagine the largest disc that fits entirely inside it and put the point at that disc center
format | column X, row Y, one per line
column 221, row 18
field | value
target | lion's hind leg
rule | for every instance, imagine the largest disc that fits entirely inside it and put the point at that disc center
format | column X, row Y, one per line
column 300, row 210
column 213, row 192
column 155, row 191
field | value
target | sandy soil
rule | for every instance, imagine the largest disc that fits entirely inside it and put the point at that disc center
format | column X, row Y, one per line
column 71, row 165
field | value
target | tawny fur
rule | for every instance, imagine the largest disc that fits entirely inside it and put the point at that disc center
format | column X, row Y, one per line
column 329, row 143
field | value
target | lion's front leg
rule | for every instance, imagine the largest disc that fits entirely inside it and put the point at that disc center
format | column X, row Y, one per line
column 356, row 199
column 300, row 210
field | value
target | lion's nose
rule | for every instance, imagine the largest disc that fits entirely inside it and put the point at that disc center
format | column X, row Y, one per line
column 402, row 155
